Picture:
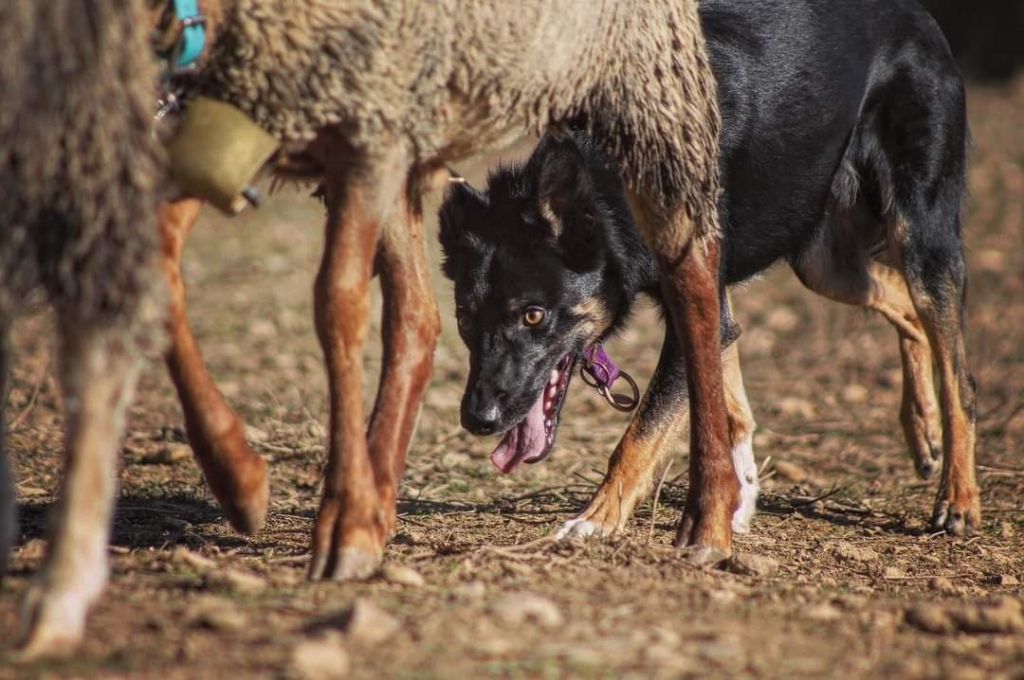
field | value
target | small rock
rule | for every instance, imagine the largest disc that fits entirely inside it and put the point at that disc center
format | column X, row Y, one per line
column 1006, row 580
column 848, row 551
column 1006, row 530
column 402, row 575
column 255, row 434
column 236, row 580
column 516, row 609
column 370, row 624
column 943, row 585
column 216, row 613
column 854, row 394
column 795, row 406
column 750, row 564
column 893, row 573
column 471, row 591
column 182, row 555
column 169, row 455
column 321, row 658
column 822, row 612
column 1002, row 616
column 790, row 471
column 782, row 319
column 930, row 618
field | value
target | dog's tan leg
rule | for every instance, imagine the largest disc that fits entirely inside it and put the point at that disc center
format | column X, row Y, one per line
column 8, row 508
column 411, row 326
column 842, row 271
column 643, row 449
column 351, row 527
column 236, row 475
column 658, row 421
column 741, row 439
column 935, row 274
column 98, row 376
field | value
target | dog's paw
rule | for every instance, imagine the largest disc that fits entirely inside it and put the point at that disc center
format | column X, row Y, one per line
column 580, row 528
column 746, row 472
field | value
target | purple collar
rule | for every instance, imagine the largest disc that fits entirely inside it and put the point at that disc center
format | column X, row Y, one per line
column 600, row 372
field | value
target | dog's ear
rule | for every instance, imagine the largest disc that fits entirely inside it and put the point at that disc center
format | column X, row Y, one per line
column 461, row 214
column 568, row 202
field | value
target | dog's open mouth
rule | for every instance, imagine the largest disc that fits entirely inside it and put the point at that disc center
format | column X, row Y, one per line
column 531, row 440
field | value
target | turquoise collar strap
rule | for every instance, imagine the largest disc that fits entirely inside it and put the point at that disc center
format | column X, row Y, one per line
column 193, row 33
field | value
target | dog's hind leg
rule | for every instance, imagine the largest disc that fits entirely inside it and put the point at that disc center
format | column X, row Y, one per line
column 741, row 439
column 838, row 266
column 351, row 526
column 411, row 326
column 236, row 475
column 98, row 376
column 8, row 507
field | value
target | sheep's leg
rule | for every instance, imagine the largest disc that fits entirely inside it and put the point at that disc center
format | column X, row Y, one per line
column 351, row 527
column 8, row 508
column 237, row 475
column 690, row 289
column 410, row 328
column 98, row 376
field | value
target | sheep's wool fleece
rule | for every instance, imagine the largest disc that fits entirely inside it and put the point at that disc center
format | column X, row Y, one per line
column 78, row 160
column 449, row 77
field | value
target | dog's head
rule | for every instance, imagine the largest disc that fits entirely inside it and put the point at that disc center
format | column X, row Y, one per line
column 528, row 260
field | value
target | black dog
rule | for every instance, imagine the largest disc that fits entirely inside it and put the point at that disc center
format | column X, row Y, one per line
column 843, row 153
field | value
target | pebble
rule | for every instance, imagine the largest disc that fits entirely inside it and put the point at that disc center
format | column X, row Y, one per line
column 368, row 623
column 402, row 575
column 822, row 612
column 236, row 580
column 943, row 585
column 517, row 609
column 182, row 555
column 749, row 564
column 848, row 551
column 321, row 658
column 472, row 591
column 216, row 613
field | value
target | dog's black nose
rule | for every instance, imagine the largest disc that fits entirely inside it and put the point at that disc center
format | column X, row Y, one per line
column 481, row 424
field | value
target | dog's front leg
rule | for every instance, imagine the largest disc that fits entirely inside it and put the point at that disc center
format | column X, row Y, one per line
column 235, row 473
column 655, row 426
column 351, row 527
column 659, row 419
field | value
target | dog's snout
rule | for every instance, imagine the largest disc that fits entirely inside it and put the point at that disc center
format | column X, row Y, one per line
column 481, row 413
column 481, row 422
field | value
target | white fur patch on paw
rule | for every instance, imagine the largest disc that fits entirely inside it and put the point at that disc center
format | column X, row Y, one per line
column 746, row 471
column 578, row 528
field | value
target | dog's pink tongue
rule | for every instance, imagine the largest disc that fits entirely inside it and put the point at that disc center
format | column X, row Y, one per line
column 523, row 442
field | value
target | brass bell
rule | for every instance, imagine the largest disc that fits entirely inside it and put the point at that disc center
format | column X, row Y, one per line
column 216, row 153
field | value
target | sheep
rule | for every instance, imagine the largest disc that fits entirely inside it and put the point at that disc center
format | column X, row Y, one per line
column 80, row 170
column 376, row 97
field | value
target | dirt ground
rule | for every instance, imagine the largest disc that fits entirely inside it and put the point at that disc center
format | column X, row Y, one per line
column 854, row 585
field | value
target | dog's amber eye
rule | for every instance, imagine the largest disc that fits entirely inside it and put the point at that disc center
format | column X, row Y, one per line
column 533, row 316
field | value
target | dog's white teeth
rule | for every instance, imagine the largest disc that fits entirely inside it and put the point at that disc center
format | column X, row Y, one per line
column 547, row 405
column 555, row 375
column 550, row 392
column 547, row 423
